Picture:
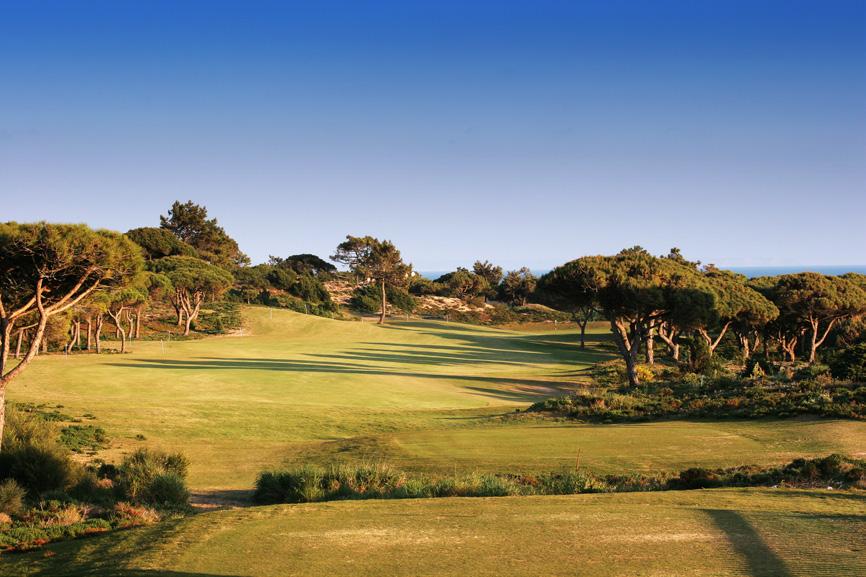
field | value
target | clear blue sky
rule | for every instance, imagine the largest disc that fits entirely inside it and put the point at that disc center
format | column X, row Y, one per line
column 521, row 132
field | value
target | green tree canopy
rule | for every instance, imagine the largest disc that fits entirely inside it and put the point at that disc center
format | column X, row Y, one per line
column 636, row 291
column 491, row 273
column 375, row 260
column 193, row 280
column 304, row 264
column 735, row 305
column 463, row 284
column 517, row 286
column 572, row 287
column 189, row 222
column 812, row 302
column 159, row 242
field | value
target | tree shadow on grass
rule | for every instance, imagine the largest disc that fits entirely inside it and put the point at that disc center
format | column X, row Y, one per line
column 760, row 559
column 113, row 572
column 514, row 389
column 111, row 554
column 497, row 346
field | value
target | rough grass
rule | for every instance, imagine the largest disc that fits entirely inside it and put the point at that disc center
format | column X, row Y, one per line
column 719, row 533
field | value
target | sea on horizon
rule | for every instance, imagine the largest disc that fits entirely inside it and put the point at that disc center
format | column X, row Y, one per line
column 749, row 271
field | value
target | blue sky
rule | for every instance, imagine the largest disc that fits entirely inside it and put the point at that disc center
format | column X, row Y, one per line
column 520, row 132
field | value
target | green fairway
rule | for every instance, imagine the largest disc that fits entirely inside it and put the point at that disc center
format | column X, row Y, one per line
column 299, row 388
column 718, row 533
column 672, row 445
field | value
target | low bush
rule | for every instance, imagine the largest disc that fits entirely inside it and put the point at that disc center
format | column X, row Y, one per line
column 12, row 497
column 32, row 455
column 166, row 491
column 125, row 515
column 84, row 438
column 849, row 363
column 154, row 478
column 380, row 481
column 367, row 299
column 705, row 397
column 219, row 318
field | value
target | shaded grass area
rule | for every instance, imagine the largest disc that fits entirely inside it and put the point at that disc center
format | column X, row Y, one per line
column 729, row 532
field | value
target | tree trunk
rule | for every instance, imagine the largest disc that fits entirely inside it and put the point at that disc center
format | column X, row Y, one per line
column 68, row 348
column 187, row 325
column 384, row 303
column 650, row 347
column 744, row 342
column 816, row 341
column 118, row 326
column 89, row 333
column 628, row 346
column 177, row 303
column 98, row 334
column 138, row 312
column 18, row 344
column 669, row 335
column 582, row 334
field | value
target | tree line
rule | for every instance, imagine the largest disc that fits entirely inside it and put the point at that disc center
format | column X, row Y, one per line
column 644, row 298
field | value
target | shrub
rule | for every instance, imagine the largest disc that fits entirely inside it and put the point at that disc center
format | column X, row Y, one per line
column 154, row 477
column 367, row 298
column 11, row 497
column 126, row 515
column 91, row 489
column 816, row 372
column 718, row 397
column 166, row 491
column 696, row 478
column 850, row 363
column 381, row 481
column 32, row 456
column 302, row 485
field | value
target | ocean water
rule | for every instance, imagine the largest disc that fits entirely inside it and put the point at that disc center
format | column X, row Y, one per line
column 749, row 271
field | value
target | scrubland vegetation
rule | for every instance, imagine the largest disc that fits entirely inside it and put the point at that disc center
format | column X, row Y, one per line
column 382, row 481
column 160, row 368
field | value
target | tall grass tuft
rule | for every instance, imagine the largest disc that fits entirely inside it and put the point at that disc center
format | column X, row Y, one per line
column 154, row 478
column 382, row 481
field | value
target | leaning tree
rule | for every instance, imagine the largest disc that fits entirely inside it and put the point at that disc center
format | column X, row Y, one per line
column 375, row 260
column 193, row 281
column 45, row 270
column 813, row 304
column 736, row 306
column 636, row 292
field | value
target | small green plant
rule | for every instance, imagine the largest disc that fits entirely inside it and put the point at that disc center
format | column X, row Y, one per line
column 84, row 438
column 12, row 497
